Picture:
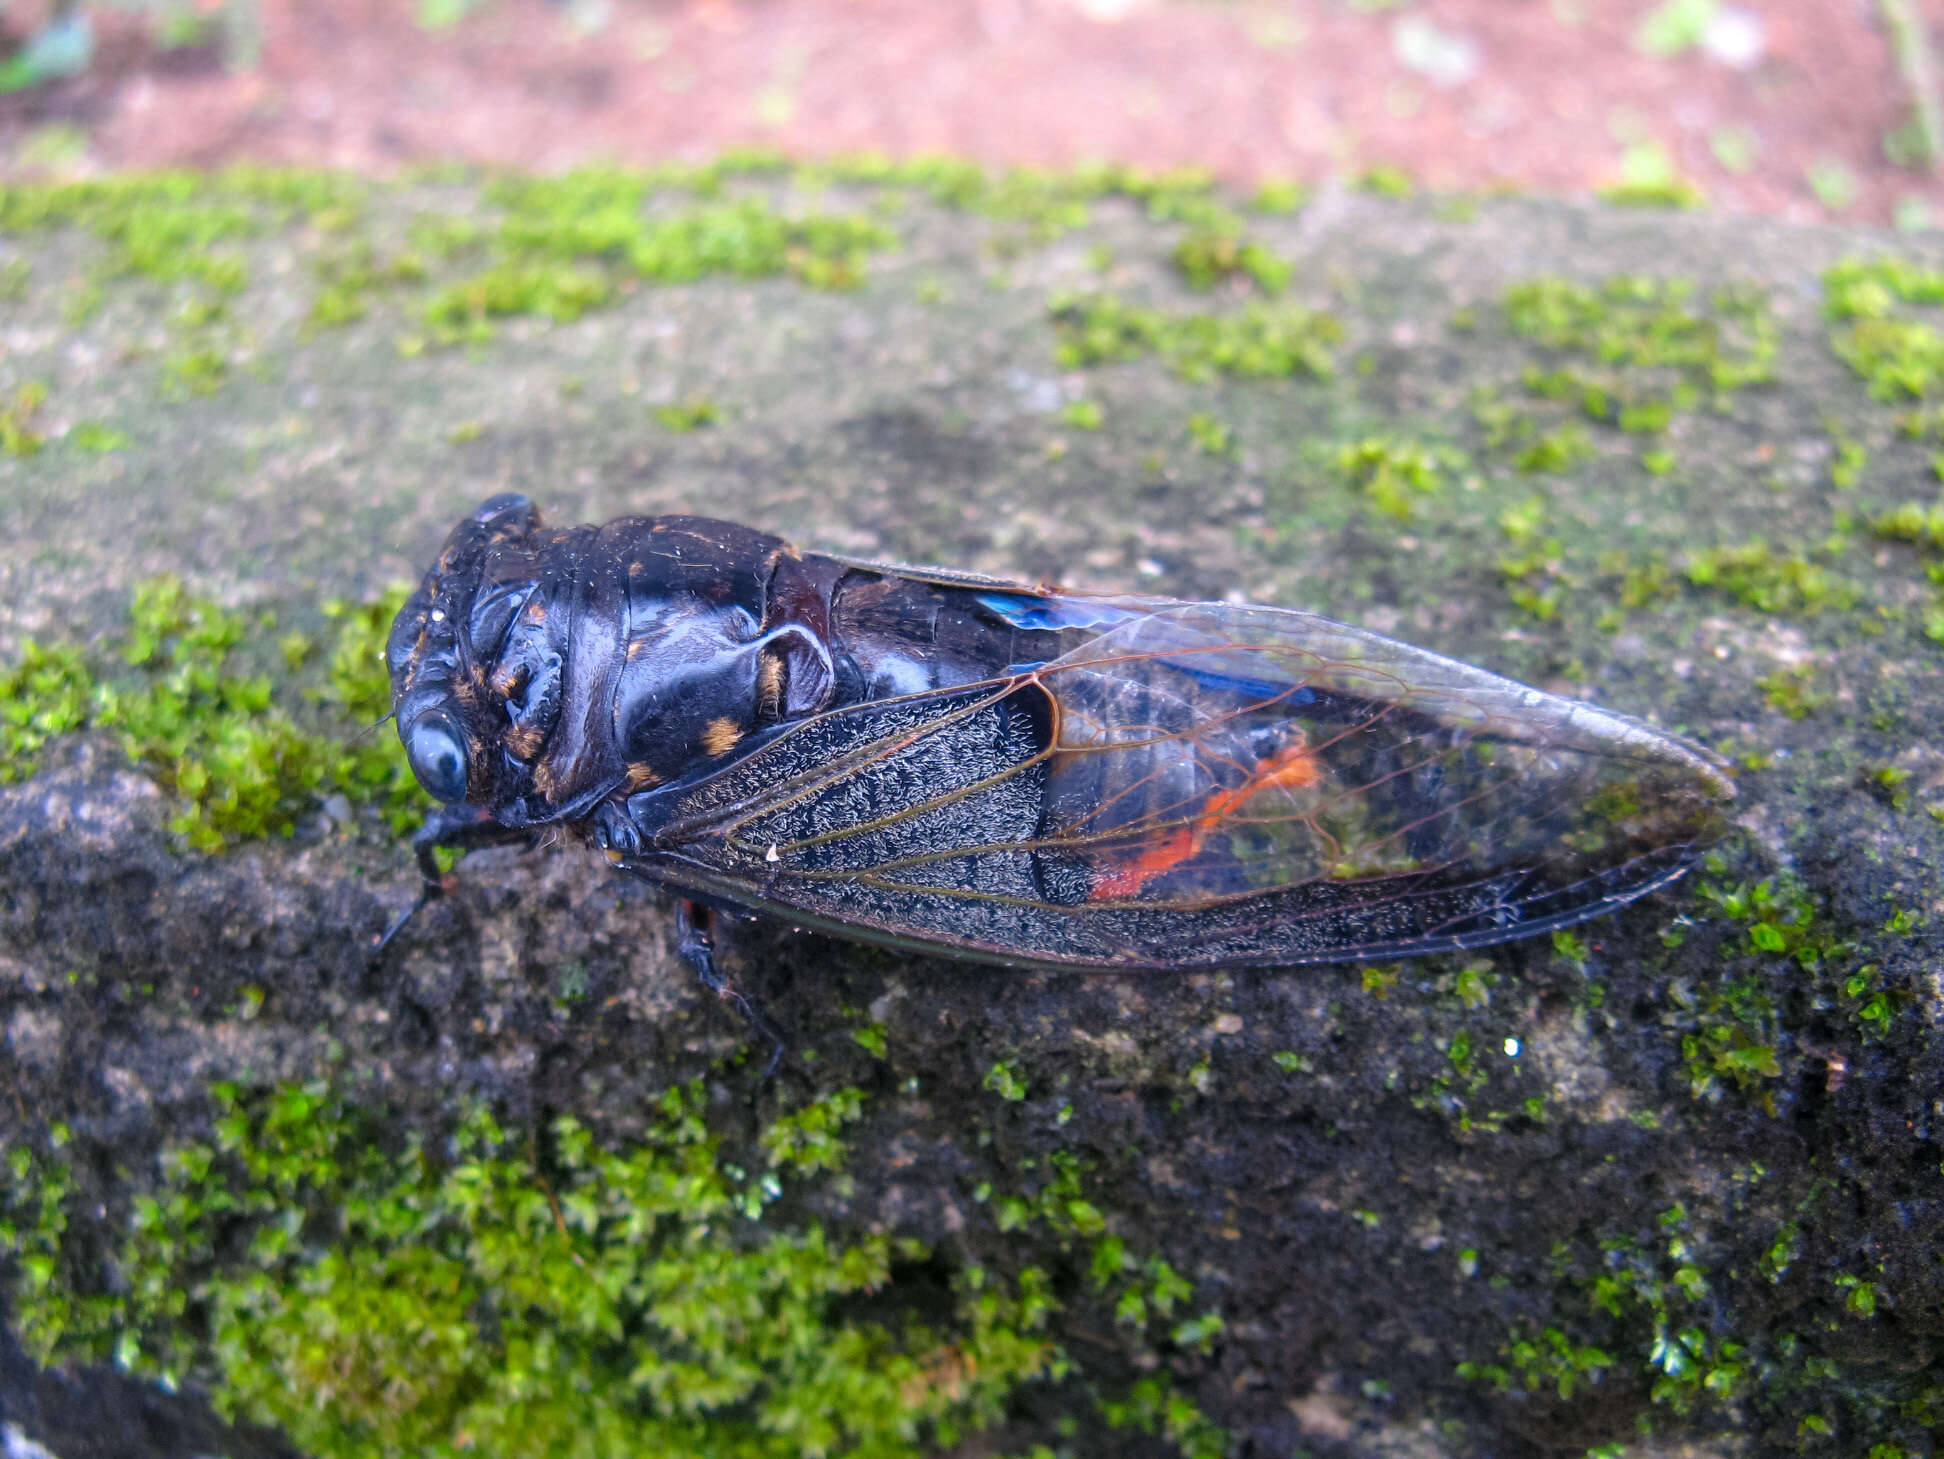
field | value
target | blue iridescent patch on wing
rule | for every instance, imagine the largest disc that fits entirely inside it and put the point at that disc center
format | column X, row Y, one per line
column 1035, row 611
column 1260, row 691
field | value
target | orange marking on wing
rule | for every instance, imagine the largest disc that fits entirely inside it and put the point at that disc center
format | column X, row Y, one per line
column 1291, row 768
column 1126, row 881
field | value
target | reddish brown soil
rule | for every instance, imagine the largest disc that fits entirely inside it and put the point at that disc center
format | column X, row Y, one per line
column 1250, row 88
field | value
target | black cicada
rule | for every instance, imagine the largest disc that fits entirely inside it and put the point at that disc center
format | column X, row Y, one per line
column 956, row 764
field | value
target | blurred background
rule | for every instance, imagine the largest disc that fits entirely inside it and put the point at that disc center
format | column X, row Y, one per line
column 1799, row 108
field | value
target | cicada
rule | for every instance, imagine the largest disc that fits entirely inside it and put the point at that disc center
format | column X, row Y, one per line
column 1024, row 776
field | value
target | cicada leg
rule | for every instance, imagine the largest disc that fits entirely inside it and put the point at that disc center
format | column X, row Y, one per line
column 695, row 924
column 465, row 828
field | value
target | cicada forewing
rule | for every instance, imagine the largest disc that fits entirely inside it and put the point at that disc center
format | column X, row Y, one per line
column 1190, row 785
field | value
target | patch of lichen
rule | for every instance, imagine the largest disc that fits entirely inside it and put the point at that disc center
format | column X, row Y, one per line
column 223, row 741
column 493, row 1292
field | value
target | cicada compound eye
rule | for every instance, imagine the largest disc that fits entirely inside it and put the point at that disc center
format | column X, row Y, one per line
column 438, row 758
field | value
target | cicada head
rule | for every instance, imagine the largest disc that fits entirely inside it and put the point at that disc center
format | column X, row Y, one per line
column 450, row 729
column 538, row 670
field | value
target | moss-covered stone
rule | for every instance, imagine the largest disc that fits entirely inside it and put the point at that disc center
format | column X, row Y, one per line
column 1678, row 1172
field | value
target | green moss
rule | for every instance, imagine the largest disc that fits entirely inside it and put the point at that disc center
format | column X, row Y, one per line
column 1871, row 1005
column 687, row 415
column 1887, row 783
column 565, row 245
column 445, row 236
column 1205, row 259
column 503, row 1295
column 348, row 279
column 1393, row 474
column 599, row 214
column 1044, row 203
column 46, row 693
column 568, row 243
column 1649, row 179
column 1532, row 574
column 872, row 1039
column 1636, row 352
column 486, row 1289
column 1768, row 581
column 1682, row 1308
column 464, row 311
column 811, row 1139
column 1850, row 459
column 749, row 239
column 1082, row 415
column 1897, row 356
column 1546, row 1359
column 1004, row 1080
column 1210, row 435
column 215, row 737
column 1378, row 979
column 1782, row 931
column 1262, row 342
column 1279, row 195
column 1913, row 522
column 1561, row 449
column 177, row 227
column 1792, row 691
column 1387, row 182
column 195, row 371
column 17, row 434
column 1154, row 1408
column 96, row 438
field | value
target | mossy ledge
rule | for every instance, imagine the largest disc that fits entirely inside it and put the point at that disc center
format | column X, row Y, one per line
column 1676, row 1174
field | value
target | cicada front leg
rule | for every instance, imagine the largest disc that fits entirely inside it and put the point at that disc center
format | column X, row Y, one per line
column 459, row 827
